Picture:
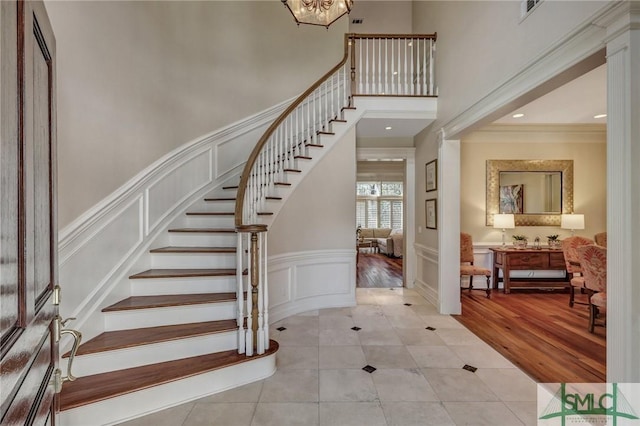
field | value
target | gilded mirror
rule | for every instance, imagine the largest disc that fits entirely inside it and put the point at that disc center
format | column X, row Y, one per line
column 537, row 192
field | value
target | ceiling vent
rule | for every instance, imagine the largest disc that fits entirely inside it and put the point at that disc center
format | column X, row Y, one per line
column 357, row 20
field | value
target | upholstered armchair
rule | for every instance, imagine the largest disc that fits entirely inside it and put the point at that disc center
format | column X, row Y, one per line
column 467, row 268
column 593, row 260
column 601, row 239
column 572, row 263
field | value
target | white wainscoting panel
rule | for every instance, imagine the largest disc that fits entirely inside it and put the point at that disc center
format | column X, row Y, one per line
column 110, row 241
column 83, row 272
column 305, row 281
column 427, row 273
column 177, row 186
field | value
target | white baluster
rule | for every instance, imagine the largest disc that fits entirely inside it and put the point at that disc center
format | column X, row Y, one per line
column 424, row 68
column 265, row 291
column 259, row 272
column 249, row 333
column 432, row 47
column 386, row 66
column 240, row 294
column 406, row 87
column 369, row 86
column 379, row 87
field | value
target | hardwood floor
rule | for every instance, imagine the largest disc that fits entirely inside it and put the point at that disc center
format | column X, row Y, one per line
column 375, row 270
column 540, row 333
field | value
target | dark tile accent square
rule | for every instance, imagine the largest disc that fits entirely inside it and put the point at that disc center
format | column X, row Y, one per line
column 356, row 328
column 431, row 329
column 407, row 304
column 369, row 368
column 469, row 368
column 281, row 328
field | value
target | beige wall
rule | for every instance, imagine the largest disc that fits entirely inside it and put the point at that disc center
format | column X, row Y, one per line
column 320, row 214
column 483, row 43
column 585, row 145
column 381, row 17
column 137, row 79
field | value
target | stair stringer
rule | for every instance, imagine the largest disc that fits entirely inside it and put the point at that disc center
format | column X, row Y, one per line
column 147, row 401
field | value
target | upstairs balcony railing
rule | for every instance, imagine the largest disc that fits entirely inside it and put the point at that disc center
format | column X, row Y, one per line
column 372, row 65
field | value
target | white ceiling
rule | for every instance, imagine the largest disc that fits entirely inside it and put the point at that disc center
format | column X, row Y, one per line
column 574, row 103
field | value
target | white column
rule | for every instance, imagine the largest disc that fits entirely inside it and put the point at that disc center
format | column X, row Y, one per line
column 449, row 226
column 409, row 259
column 623, row 196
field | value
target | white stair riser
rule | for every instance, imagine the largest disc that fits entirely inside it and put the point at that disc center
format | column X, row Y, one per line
column 193, row 260
column 164, row 286
column 140, row 318
column 203, row 239
column 147, row 401
column 219, row 206
column 205, row 221
column 87, row 365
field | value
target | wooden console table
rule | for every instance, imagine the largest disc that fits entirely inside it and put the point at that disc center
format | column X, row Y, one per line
column 509, row 259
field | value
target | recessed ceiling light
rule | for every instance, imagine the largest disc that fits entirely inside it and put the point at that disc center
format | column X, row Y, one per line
column 519, row 115
column 388, row 128
column 600, row 116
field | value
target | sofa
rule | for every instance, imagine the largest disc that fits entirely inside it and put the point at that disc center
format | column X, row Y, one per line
column 384, row 240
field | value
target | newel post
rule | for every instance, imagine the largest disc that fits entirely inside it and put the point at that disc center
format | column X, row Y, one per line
column 257, row 334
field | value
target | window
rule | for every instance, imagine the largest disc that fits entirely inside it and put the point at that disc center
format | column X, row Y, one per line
column 379, row 204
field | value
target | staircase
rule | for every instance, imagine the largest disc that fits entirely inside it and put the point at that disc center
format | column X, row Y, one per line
column 177, row 333
column 181, row 332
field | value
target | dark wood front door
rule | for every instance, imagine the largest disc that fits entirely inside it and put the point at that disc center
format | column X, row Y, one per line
column 28, row 241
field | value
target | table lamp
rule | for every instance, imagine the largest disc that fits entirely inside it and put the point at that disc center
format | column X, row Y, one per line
column 504, row 221
column 572, row 221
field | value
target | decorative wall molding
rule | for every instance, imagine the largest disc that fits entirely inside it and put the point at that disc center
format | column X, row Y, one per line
column 304, row 281
column 561, row 62
column 428, row 290
column 98, row 250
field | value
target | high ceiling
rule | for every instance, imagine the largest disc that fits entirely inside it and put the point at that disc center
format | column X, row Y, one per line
column 576, row 102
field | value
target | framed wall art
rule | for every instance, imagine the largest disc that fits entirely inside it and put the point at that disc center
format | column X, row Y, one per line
column 431, row 213
column 431, row 175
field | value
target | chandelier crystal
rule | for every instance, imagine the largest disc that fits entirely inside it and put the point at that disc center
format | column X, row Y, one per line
column 318, row 12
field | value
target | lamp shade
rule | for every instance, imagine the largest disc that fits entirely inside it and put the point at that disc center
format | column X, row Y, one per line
column 572, row 221
column 504, row 221
column 318, row 12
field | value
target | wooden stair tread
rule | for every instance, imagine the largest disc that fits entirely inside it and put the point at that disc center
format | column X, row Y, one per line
column 204, row 230
column 321, row 132
column 265, row 213
column 210, row 213
column 273, row 198
column 120, row 339
column 293, row 170
column 315, row 145
column 303, row 157
column 338, row 120
column 161, row 301
column 175, row 249
column 90, row 389
column 184, row 273
column 230, row 187
column 221, row 199
column 282, row 183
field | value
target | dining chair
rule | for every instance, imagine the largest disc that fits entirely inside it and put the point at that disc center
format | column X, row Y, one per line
column 467, row 268
column 572, row 264
column 601, row 239
column 593, row 260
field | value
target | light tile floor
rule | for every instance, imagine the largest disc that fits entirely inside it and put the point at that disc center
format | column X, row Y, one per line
column 418, row 379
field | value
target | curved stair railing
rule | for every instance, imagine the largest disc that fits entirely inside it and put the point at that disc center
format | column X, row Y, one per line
column 380, row 65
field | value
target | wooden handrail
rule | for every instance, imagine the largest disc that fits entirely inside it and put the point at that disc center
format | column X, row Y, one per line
column 242, row 186
column 433, row 36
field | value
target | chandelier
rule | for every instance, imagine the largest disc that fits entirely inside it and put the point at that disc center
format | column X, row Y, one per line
column 318, row 12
